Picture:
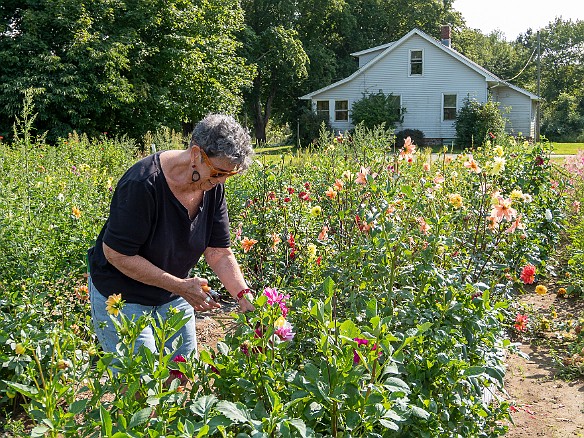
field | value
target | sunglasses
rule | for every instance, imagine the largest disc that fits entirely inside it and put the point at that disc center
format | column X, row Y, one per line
column 214, row 172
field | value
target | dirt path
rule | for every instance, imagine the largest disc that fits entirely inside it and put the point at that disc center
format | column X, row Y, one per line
column 545, row 405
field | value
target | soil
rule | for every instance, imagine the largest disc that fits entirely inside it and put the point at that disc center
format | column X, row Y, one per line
column 547, row 401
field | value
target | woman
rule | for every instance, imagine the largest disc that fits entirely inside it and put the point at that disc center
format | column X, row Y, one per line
column 168, row 210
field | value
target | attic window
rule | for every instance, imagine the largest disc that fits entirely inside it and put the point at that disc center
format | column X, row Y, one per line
column 322, row 108
column 449, row 107
column 341, row 110
column 416, row 61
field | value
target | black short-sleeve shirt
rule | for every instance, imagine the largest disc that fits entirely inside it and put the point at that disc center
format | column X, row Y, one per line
column 146, row 219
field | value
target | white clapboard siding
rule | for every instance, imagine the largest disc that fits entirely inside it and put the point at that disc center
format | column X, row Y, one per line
column 386, row 68
column 518, row 111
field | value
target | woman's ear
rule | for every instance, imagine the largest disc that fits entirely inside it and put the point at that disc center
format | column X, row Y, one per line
column 195, row 153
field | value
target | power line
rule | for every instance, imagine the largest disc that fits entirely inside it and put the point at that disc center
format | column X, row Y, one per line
column 524, row 67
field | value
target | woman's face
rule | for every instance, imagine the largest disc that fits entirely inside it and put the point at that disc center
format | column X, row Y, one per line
column 213, row 170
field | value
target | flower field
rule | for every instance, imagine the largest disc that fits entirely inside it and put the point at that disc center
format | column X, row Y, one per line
column 385, row 285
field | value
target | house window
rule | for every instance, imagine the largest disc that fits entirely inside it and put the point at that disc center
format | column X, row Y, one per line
column 416, row 62
column 322, row 108
column 449, row 107
column 341, row 110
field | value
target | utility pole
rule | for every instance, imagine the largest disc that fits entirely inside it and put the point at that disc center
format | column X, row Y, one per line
column 538, row 113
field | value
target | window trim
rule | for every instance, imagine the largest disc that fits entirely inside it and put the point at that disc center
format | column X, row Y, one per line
column 444, row 107
column 328, row 109
column 410, row 74
column 341, row 110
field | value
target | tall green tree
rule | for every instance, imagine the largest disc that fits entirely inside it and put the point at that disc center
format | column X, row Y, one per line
column 272, row 45
column 124, row 66
column 561, row 44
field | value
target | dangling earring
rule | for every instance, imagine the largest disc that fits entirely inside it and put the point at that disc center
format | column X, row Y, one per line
column 196, row 175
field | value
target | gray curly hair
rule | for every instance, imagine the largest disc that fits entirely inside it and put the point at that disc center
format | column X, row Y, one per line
column 221, row 135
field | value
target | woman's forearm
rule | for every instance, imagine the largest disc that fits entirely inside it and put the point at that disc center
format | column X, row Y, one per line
column 144, row 271
column 140, row 269
column 223, row 262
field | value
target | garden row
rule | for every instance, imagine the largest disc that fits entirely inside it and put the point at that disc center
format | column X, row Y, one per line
column 384, row 292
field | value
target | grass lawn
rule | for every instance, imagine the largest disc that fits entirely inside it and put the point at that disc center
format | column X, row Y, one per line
column 276, row 154
column 567, row 148
column 273, row 154
column 559, row 148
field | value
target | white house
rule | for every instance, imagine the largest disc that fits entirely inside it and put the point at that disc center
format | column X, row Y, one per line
column 431, row 81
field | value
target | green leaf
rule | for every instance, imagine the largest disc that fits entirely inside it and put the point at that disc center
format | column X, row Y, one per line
column 424, row 327
column 28, row 391
column 77, row 406
column 204, row 431
column 420, row 413
column 394, row 384
column 407, row 190
column 106, row 421
column 233, row 412
column 39, row 431
column 312, row 372
column 352, row 420
column 140, row 417
column 349, row 329
column 323, row 389
column 273, row 396
column 328, row 286
column 203, row 405
column 313, row 410
column 222, row 348
column 388, row 424
column 299, row 426
column 474, row 371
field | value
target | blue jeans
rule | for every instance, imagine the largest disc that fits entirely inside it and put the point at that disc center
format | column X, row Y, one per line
column 108, row 336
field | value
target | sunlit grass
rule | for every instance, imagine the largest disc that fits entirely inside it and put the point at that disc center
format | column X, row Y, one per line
column 567, row 148
column 276, row 154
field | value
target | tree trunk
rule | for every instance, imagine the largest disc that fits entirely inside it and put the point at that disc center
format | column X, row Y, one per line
column 262, row 117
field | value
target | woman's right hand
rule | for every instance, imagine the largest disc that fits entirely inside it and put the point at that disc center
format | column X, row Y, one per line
column 196, row 296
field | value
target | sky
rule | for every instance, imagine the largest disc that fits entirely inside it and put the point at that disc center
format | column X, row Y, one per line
column 514, row 17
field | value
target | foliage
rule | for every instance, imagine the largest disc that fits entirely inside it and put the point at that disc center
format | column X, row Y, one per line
column 121, row 67
column 490, row 51
column 575, row 229
column 376, row 110
column 310, row 125
column 416, row 135
column 477, row 122
column 562, row 70
column 272, row 45
column 564, row 120
column 395, row 272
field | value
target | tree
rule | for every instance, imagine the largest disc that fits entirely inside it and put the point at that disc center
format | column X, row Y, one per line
column 272, row 46
column 491, row 52
column 564, row 119
column 562, row 78
column 124, row 67
column 377, row 109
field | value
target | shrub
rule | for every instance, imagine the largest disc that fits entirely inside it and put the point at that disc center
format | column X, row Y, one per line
column 416, row 135
column 310, row 126
column 377, row 109
column 475, row 121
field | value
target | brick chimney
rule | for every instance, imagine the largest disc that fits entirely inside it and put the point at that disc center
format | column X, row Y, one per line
column 445, row 34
